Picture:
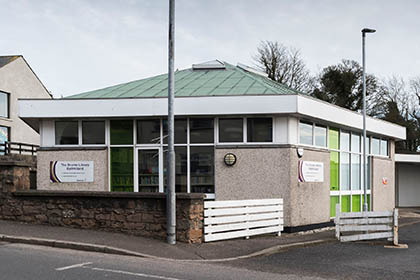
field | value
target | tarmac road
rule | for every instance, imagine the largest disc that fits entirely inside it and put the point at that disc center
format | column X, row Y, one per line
column 23, row 262
column 362, row 260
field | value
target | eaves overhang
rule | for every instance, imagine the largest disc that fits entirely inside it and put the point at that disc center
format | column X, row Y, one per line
column 31, row 110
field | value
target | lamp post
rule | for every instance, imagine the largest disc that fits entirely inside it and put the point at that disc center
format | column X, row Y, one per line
column 365, row 179
column 170, row 193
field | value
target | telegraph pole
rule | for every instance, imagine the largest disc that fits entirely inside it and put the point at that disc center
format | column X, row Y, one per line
column 170, row 193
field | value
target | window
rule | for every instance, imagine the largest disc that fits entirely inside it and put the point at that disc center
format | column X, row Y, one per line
column 320, row 136
column 93, row 132
column 4, row 136
column 180, row 131
column 121, row 132
column 355, row 143
column 305, row 133
column 375, row 146
column 122, row 169
column 201, row 131
column 148, row 131
column 4, row 104
column 202, row 169
column 345, row 141
column 384, row 147
column 181, row 165
column 66, row 133
column 345, row 171
column 231, row 130
column 355, row 172
column 259, row 130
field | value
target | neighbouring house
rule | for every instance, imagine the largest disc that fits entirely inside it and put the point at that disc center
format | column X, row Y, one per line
column 238, row 135
column 17, row 80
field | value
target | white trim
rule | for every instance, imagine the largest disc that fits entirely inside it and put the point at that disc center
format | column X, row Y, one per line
column 206, row 106
column 414, row 158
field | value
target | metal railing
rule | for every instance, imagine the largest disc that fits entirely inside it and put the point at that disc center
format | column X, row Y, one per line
column 8, row 148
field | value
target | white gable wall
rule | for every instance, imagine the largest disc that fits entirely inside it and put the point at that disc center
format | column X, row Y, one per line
column 17, row 79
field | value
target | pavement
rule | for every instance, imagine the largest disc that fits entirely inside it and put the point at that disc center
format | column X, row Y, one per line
column 123, row 244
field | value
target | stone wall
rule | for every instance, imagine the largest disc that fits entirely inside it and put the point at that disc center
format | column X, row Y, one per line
column 133, row 213
column 15, row 171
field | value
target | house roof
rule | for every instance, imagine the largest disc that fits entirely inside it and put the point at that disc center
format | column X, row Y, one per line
column 4, row 60
column 212, row 78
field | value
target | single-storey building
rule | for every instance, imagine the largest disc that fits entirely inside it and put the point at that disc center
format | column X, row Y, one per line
column 238, row 135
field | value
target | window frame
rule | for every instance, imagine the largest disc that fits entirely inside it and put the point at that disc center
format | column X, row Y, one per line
column 7, row 94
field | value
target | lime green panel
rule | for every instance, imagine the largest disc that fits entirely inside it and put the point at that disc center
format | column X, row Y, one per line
column 368, row 200
column 333, row 201
column 122, row 170
column 345, row 203
column 121, row 132
column 333, row 138
column 355, row 203
column 334, row 171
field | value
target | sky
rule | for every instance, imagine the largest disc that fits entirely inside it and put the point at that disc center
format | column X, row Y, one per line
column 79, row 45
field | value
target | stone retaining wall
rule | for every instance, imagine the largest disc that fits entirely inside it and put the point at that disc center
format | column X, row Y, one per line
column 134, row 213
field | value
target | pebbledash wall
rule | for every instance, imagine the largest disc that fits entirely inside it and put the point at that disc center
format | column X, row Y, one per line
column 98, row 155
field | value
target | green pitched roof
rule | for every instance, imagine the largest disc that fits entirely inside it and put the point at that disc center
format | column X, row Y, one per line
column 207, row 79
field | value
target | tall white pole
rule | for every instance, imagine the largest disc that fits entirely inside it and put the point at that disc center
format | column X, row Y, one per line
column 365, row 179
column 170, row 195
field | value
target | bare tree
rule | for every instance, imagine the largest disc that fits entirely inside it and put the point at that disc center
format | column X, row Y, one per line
column 283, row 64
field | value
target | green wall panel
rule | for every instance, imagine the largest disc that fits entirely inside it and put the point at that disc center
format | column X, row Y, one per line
column 355, row 203
column 333, row 138
column 345, row 203
column 333, row 201
column 334, row 171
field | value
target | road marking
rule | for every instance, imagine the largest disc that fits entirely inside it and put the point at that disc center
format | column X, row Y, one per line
column 72, row 266
column 133, row 273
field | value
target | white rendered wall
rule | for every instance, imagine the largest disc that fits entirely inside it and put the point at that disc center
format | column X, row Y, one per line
column 17, row 79
column 408, row 185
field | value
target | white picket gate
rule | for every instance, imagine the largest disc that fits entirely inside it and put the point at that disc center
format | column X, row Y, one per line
column 242, row 218
column 366, row 225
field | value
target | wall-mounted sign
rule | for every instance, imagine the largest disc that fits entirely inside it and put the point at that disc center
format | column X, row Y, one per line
column 71, row 171
column 385, row 181
column 311, row 171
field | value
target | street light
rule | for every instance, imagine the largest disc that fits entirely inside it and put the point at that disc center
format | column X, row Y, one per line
column 365, row 179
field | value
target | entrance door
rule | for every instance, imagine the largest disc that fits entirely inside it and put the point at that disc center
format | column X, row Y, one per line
column 149, row 175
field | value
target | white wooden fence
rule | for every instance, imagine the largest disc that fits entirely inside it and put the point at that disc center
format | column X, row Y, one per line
column 242, row 218
column 366, row 225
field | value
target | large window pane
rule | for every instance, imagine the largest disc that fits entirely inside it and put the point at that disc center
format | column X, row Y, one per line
column 121, row 132
column 355, row 203
column 320, row 136
column 93, row 132
column 375, row 146
column 4, row 136
column 344, row 141
column 384, row 147
column 334, row 200
column 333, row 138
column 201, row 131
column 355, row 143
column 148, row 170
column 202, row 169
column 355, row 172
column 305, row 133
column 180, row 131
column 260, row 129
column 345, row 171
column 367, row 144
column 180, row 169
column 122, row 170
column 334, row 173
column 148, row 131
column 4, row 105
column 66, row 133
column 231, row 130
